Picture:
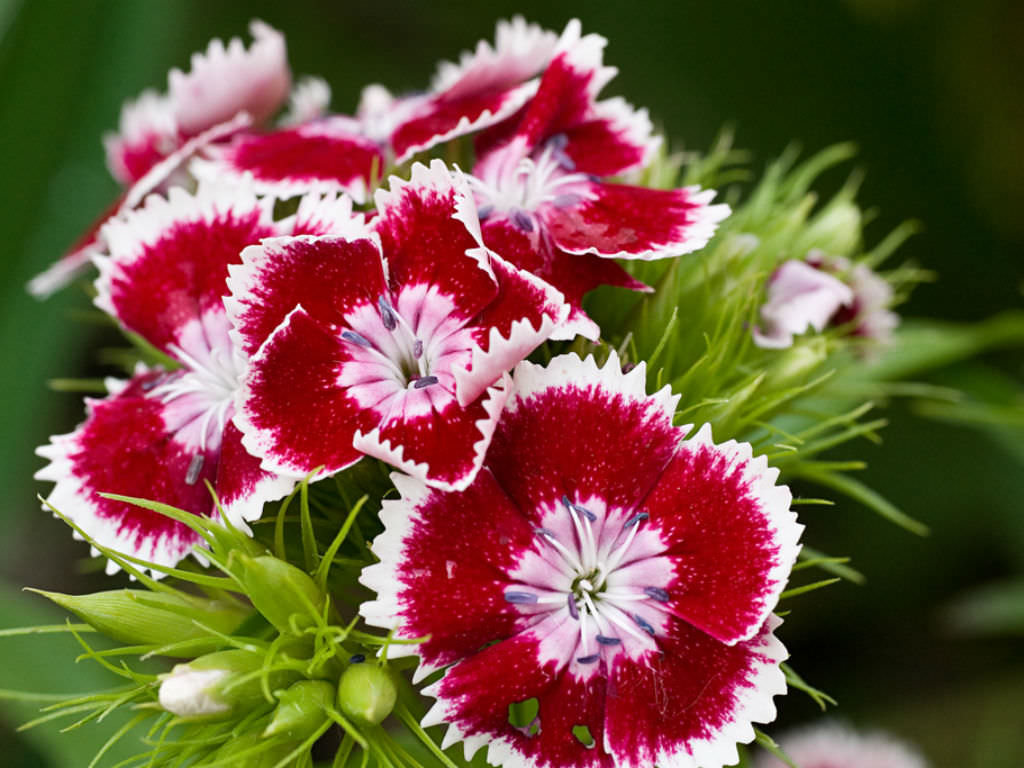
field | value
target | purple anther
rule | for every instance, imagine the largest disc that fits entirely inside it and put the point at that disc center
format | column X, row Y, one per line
column 547, row 534
column 357, row 658
column 522, row 220
column 643, row 624
column 387, row 314
column 564, row 160
column 605, row 640
column 424, row 381
column 635, row 519
column 195, row 466
column 566, row 200
column 585, row 512
column 484, row 211
column 355, row 338
column 657, row 593
column 589, row 659
column 558, row 141
column 573, row 610
column 520, row 598
column 417, row 349
column 152, row 383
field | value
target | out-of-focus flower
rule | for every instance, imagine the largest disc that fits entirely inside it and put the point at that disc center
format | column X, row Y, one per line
column 618, row 576
column 832, row 745
column 393, row 343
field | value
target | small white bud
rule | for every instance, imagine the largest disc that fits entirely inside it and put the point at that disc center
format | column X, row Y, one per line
column 188, row 692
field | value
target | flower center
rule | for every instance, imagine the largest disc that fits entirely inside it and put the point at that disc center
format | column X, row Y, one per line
column 518, row 186
column 606, row 570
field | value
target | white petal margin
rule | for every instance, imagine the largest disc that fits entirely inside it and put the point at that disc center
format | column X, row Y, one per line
column 776, row 506
column 520, row 51
column 73, row 500
column 585, row 54
column 634, row 125
column 502, row 353
column 129, row 234
column 493, row 400
column 399, row 519
column 570, row 370
column 754, row 704
column 226, row 80
column 308, row 100
column 150, row 117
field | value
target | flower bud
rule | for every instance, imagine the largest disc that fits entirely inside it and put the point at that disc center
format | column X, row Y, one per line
column 218, row 684
column 279, row 590
column 797, row 364
column 837, row 229
column 300, row 709
column 366, row 693
column 141, row 617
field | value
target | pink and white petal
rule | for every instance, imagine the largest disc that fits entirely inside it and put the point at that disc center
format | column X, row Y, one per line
column 242, row 486
column 224, row 81
column 474, row 698
column 523, row 315
column 433, row 438
column 430, row 235
column 379, row 111
column 625, row 222
column 325, row 155
column 328, row 276
column 134, row 444
column 309, row 100
column 178, row 249
column 800, row 297
column 691, row 705
column 147, row 133
column 572, row 408
column 569, row 86
column 327, row 214
column 520, row 52
column 169, row 169
column 572, row 274
column 725, row 583
column 613, row 139
column 442, row 119
column 290, row 408
column 442, row 575
column 77, row 259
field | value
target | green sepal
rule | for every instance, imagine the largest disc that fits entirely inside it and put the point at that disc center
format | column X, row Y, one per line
column 141, row 617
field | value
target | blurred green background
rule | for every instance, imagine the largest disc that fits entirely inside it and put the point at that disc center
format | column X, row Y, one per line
column 932, row 94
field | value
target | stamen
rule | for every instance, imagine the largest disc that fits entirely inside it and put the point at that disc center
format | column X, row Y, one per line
column 355, row 338
column 387, row 314
column 484, row 211
column 589, row 659
column 605, row 640
column 521, row 598
column 640, row 622
column 522, row 220
column 566, row 200
column 657, row 593
column 417, row 349
column 574, row 611
column 558, row 141
column 195, row 466
column 357, row 658
column 635, row 519
column 424, row 381
column 154, row 382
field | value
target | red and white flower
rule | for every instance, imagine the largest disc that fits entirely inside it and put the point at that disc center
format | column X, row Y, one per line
column 393, row 342
column 541, row 190
column 163, row 434
column 620, row 577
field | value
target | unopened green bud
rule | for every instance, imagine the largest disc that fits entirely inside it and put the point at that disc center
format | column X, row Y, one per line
column 366, row 693
column 300, row 709
column 796, row 365
column 219, row 684
column 279, row 590
column 141, row 617
column 836, row 230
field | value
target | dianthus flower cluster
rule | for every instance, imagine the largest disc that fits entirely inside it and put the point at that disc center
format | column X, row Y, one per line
column 595, row 579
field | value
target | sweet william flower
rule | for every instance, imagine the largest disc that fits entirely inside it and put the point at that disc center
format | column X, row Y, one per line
column 615, row 575
column 162, row 435
column 546, row 200
column 393, row 342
